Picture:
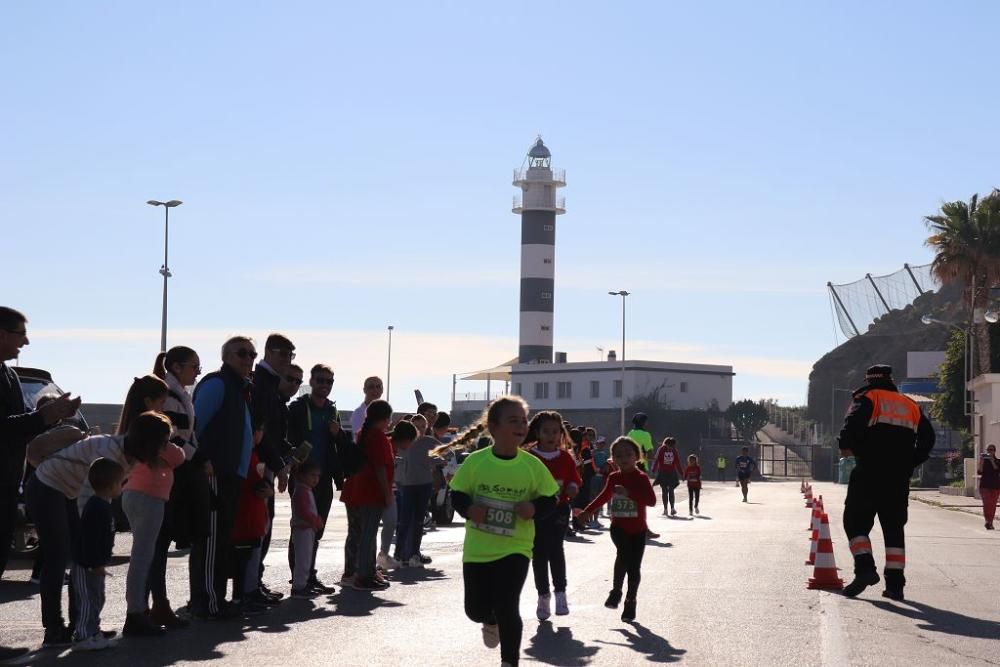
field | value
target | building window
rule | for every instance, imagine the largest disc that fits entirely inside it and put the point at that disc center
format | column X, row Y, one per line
column 547, row 260
column 684, row 387
column 564, row 390
column 618, row 388
column 517, row 388
column 541, row 390
column 546, row 295
column 595, row 389
column 547, row 228
column 546, row 327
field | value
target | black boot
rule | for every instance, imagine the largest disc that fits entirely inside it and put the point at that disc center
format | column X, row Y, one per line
column 614, row 599
column 628, row 611
column 894, row 583
column 862, row 580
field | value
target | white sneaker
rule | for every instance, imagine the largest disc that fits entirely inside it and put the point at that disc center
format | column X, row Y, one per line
column 544, row 609
column 94, row 643
column 387, row 562
column 562, row 605
column 491, row 635
column 414, row 561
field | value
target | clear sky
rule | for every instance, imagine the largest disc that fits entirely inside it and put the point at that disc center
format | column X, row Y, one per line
column 345, row 166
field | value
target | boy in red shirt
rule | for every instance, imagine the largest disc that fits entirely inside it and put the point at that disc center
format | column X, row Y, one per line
column 249, row 529
column 693, row 476
column 630, row 493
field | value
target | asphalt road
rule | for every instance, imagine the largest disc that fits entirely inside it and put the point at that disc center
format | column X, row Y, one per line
column 726, row 588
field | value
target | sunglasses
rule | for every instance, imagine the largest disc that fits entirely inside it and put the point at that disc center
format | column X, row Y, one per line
column 323, row 380
column 244, row 353
column 284, row 353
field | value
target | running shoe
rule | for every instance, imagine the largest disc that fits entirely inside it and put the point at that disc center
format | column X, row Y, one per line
column 628, row 611
column 304, row 593
column 93, row 643
column 414, row 562
column 387, row 562
column 321, row 588
column 651, row 535
column 614, row 599
column 673, row 512
column 562, row 605
column 544, row 608
column 491, row 635
column 426, row 560
column 696, row 509
column 369, row 585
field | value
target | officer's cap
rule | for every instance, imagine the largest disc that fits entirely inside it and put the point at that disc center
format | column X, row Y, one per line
column 879, row 372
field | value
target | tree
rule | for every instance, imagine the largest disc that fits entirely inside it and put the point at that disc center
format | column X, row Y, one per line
column 747, row 417
column 949, row 403
column 965, row 238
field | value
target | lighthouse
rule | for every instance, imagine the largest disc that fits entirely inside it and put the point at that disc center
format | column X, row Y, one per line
column 538, row 207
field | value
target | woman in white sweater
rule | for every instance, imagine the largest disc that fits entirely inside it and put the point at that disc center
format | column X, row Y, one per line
column 59, row 475
column 186, row 513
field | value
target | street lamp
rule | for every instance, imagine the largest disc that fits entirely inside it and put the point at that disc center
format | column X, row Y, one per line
column 388, row 369
column 622, row 294
column 165, row 269
column 967, row 402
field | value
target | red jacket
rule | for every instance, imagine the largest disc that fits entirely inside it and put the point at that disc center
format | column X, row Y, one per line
column 563, row 469
column 251, row 516
column 693, row 476
column 638, row 489
column 667, row 459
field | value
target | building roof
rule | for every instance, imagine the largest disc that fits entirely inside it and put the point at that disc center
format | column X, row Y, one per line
column 630, row 365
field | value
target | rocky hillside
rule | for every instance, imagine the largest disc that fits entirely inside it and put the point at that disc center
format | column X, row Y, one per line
column 887, row 341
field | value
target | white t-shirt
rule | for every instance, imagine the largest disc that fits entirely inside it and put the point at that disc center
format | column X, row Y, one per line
column 358, row 419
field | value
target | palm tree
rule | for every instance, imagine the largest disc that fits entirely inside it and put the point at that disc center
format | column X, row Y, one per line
column 966, row 240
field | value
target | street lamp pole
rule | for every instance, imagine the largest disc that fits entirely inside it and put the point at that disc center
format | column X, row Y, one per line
column 388, row 369
column 165, row 269
column 622, row 294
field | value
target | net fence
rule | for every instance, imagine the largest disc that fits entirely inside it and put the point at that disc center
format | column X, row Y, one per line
column 860, row 303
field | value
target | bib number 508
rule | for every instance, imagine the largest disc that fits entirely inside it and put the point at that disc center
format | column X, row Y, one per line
column 501, row 517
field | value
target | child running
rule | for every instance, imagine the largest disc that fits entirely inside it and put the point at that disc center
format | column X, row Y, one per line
column 630, row 493
column 550, row 439
column 667, row 470
column 745, row 465
column 499, row 490
column 693, row 476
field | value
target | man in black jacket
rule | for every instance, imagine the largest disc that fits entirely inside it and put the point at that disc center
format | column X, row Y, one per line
column 314, row 419
column 18, row 425
column 225, row 442
column 269, row 410
column 888, row 436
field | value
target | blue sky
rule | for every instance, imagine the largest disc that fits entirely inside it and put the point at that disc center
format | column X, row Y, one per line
column 347, row 166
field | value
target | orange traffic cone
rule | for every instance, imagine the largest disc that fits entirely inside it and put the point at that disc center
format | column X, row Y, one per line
column 814, row 516
column 809, row 497
column 814, row 537
column 802, row 487
column 825, row 573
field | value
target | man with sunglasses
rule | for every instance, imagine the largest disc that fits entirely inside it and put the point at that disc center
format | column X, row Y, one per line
column 313, row 418
column 373, row 392
column 269, row 411
column 225, row 441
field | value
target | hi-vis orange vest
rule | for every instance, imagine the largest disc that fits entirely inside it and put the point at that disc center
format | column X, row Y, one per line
column 890, row 407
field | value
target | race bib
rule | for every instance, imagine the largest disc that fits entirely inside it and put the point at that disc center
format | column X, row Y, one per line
column 500, row 517
column 623, row 507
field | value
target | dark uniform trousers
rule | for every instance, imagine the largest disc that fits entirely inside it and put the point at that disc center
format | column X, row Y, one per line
column 872, row 493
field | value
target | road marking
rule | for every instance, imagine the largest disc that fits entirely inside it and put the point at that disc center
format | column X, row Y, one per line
column 833, row 640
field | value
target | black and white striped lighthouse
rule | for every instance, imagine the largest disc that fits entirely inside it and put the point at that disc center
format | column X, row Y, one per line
column 538, row 207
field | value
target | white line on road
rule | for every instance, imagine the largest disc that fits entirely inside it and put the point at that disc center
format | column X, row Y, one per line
column 833, row 640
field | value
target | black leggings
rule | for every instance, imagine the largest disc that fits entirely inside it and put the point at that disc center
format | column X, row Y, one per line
column 693, row 496
column 668, row 487
column 628, row 560
column 548, row 551
column 492, row 595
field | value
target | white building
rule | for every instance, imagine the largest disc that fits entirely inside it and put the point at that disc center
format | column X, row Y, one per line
column 597, row 385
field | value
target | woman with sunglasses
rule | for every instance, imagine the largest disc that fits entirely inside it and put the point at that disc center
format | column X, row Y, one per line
column 989, row 483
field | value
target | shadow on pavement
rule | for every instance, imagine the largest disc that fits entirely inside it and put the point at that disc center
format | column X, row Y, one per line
column 12, row 591
column 645, row 641
column 556, row 646
column 702, row 516
column 940, row 620
column 578, row 539
column 657, row 543
column 202, row 641
column 350, row 602
column 412, row 575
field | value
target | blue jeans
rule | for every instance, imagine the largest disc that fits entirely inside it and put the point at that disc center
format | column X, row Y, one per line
column 414, row 504
column 56, row 521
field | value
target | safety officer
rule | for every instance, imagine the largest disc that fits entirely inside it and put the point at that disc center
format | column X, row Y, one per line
column 888, row 435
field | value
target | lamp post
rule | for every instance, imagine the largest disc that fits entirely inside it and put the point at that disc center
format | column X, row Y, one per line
column 388, row 369
column 622, row 294
column 165, row 269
